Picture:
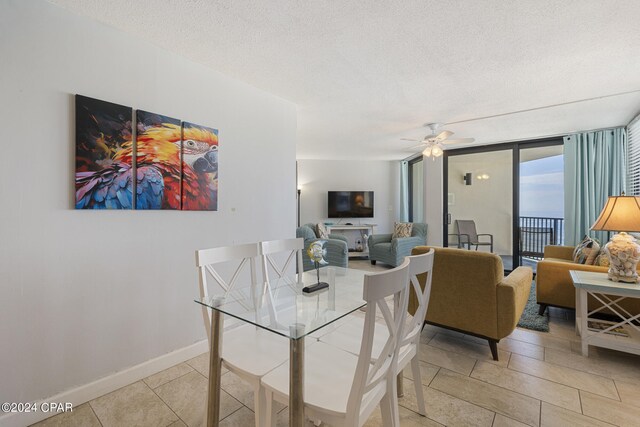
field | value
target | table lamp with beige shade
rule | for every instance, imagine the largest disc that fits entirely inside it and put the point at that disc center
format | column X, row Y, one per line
column 621, row 213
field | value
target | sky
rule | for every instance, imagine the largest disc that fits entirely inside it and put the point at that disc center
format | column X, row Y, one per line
column 542, row 187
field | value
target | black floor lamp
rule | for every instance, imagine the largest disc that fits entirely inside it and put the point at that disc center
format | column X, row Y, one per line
column 299, row 191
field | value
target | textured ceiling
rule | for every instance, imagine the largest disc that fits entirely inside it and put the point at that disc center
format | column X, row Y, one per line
column 366, row 73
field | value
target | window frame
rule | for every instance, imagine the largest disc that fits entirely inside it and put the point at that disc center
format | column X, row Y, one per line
column 633, row 157
column 410, row 164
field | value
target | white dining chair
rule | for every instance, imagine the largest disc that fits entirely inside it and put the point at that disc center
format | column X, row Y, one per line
column 247, row 351
column 340, row 388
column 345, row 337
column 279, row 257
column 281, row 267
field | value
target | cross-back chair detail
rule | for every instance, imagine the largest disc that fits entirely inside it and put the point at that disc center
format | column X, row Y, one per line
column 371, row 371
column 355, row 385
column 419, row 264
column 347, row 336
column 207, row 259
column 292, row 248
column 249, row 352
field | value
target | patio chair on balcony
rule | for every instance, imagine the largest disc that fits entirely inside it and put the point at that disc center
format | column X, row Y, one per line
column 466, row 234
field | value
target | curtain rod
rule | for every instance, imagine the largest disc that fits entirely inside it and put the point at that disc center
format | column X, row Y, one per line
column 558, row 135
column 544, row 107
column 584, row 131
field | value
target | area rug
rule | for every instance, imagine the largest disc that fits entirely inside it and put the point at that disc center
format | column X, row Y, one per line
column 530, row 318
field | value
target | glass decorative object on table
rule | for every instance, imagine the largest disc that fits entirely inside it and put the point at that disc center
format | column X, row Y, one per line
column 624, row 254
column 317, row 252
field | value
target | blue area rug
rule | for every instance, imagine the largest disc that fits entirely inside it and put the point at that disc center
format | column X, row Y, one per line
column 530, row 318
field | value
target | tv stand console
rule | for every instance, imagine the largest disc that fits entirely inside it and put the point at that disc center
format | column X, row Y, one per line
column 353, row 233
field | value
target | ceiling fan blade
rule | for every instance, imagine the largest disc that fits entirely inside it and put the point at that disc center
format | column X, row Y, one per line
column 409, row 139
column 443, row 135
column 458, row 141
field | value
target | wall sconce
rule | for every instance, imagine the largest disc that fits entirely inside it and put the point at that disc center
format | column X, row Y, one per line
column 467, row 177
column 483, row 176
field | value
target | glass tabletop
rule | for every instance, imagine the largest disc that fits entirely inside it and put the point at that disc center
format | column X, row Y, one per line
column 283, row 308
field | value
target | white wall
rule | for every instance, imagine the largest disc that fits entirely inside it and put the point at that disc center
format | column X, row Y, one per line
column 86, row 294
column 433, row 199
column 319, row 176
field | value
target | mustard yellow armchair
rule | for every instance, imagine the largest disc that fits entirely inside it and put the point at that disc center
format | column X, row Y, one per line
column 470, row 294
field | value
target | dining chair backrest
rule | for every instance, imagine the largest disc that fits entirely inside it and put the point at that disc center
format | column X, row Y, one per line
column 419, row 264
column 208, row 259
column 375, row 372
column 274, row 251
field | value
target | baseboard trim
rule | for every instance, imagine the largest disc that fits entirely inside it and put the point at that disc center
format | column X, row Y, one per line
column 84, row 393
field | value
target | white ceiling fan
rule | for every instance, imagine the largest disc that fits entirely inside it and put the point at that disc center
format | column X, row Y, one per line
column 434, row 142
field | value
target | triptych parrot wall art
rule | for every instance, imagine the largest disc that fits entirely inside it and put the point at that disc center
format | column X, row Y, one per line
column 168, row 164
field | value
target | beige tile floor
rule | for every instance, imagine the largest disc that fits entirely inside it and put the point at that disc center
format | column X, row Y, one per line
column 540, row 380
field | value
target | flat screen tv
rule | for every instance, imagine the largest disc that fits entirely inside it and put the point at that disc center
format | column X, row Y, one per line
column 350, row 204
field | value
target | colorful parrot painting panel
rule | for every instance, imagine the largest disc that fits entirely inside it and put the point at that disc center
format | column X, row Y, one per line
column 104, row 168
column 199, row 168
column 158, row 161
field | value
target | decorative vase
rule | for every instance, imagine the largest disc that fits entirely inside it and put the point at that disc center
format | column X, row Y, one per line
column 624, row 254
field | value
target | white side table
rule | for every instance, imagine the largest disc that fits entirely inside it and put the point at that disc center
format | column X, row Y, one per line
column 609, row 294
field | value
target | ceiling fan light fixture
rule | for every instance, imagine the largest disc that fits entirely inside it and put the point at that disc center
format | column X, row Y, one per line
column 434, row 142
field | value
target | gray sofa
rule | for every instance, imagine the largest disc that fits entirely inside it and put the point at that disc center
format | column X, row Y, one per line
column 336, row 246
column 383, row 248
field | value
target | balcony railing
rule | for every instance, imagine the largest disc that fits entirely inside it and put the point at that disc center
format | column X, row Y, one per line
column 538, row 232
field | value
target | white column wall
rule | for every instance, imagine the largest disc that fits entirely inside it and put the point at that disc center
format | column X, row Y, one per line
column 85, row 294
column 433, row 199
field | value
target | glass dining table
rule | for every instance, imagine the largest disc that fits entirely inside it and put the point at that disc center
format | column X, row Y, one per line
column 281, row 307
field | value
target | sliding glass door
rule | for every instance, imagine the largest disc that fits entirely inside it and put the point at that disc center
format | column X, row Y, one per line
column 541, row 201
column 511, row 195
column 480, row 201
